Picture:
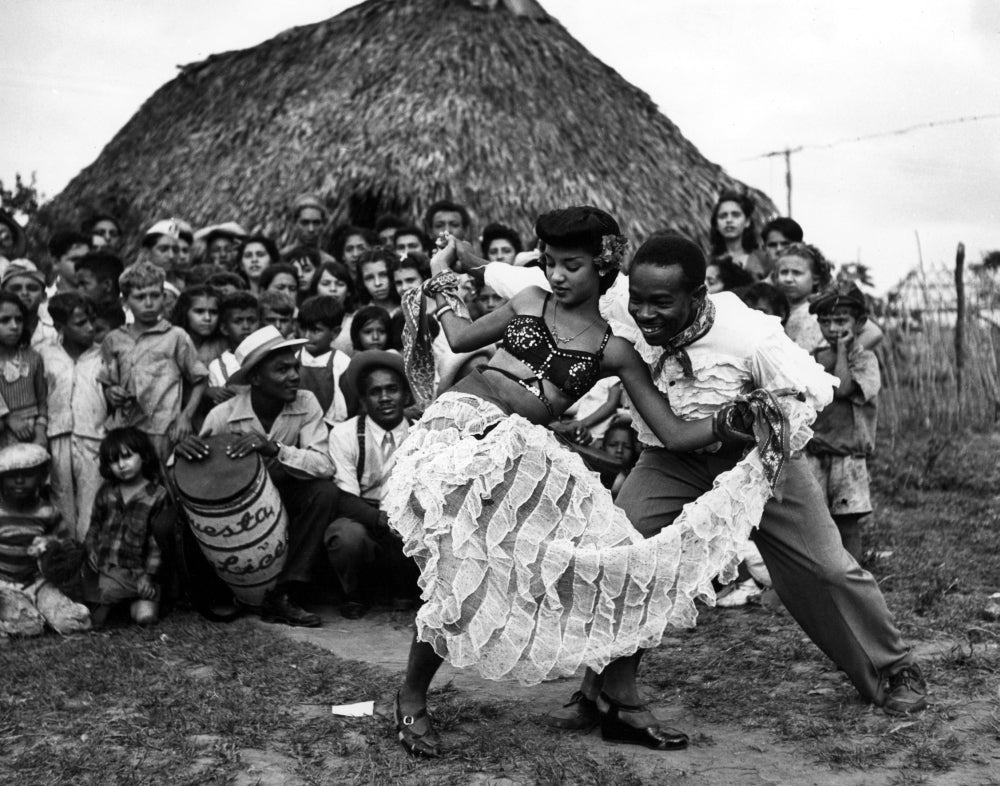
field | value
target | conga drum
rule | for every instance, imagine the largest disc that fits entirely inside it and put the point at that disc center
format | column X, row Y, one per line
column 236, row 516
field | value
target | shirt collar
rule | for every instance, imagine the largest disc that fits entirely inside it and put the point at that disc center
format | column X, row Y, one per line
column 242, row 408
column 378, row 433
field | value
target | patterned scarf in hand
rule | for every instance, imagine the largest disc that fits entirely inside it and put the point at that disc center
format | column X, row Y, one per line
column 704, row 318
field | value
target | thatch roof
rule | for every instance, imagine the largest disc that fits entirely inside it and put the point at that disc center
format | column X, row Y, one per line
column 391, row 105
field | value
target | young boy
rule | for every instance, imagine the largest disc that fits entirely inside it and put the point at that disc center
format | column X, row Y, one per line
column 238, row 318
column 66, row 249
column 145, row 365
column 845, row 431
column 363, row 551
column 107, row 318
column 97, row 276
column 321, row 365
column 278, row 310
column 77, row 410
column 27, row 521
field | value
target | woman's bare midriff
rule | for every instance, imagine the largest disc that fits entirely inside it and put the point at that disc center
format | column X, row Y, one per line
column 521, row 401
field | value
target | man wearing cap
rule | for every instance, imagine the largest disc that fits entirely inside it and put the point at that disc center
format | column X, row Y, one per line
column 359, row 543
column 309, row 214
column 284, row 426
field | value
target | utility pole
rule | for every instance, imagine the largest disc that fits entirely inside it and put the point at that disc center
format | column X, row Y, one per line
column 788, row 179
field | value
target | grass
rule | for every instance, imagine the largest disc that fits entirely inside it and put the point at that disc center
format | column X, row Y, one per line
column 189, row 702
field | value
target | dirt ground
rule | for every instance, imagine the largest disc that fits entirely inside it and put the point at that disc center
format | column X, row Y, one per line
column 719, row 754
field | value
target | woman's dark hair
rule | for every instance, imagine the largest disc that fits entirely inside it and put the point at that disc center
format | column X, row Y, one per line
column 341, row 273
column 9, row 297
column 88, row 226
column 415, row 261
column 363, row 317
column 731, row 274
column 269, row 247
column 340, row 235
column 117, row 441
column 789, row 229
column 228, row 278
column 668, row 248
column 749, row 240
column 579, row 227
column 63, row 304
column 375, row 255
column 184, row 302
column 762, row 292
column 273, row 271
column 500, row 232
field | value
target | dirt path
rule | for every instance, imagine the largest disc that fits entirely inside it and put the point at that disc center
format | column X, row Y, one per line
column 719, row 754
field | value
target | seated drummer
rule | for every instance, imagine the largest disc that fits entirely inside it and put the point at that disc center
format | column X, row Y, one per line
column 284, row 425
column 365, row 553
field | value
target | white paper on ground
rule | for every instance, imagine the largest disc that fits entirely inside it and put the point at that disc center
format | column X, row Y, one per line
column 358, row 710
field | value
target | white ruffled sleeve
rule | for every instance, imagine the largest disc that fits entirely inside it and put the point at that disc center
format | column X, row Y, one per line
column 777, row 363
column 507, row 280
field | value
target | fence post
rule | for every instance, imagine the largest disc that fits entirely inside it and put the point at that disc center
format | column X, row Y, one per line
column 960, row 324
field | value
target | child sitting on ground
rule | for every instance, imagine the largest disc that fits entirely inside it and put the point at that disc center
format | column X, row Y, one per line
column 621, row 443
column 123, row 557
column 27, row 523
column 238, row 318
column 844, row 432
column 23, row 392
column 77, row 409
column 321, row 366
column 146, row 364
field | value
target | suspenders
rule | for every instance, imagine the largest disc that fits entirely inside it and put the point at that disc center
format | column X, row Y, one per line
column 361, row 445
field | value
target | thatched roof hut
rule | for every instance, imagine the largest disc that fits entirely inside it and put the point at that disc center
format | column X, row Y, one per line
column 392, row 105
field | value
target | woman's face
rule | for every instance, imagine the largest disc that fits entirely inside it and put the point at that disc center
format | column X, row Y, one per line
column 501, row 250
column 305, row 268
column 730, row 220
column 255, row 261
column 329, row 284
column 375, row 279
column 373, row 335
column 285, row 283
column 571, row 273
column 354, row 247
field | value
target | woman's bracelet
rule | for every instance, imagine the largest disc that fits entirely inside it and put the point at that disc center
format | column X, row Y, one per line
column 438, row 313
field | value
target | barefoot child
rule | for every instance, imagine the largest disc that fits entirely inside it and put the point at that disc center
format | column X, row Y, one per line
column 27, row 520
column 77, row 409
column 23, row 393
column 845, row 431
column 122, row 555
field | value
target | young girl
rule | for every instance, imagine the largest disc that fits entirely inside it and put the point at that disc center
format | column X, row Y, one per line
column 800, row 272
column 370, row 329
column 621, row 442
column 334, row 279
column 122, row 555
column 516, row 541
column 22, row 377
column 375, row 280
column 732, row 233
column 305, row 261
column 197, row 311
column 256, row 255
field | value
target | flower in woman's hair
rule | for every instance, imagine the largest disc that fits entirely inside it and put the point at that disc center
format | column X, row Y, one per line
column 613, row 248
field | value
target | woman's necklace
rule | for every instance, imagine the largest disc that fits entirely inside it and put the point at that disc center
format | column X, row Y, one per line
column 562, row 340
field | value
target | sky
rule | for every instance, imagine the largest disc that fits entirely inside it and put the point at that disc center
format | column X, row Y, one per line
column 740, row 80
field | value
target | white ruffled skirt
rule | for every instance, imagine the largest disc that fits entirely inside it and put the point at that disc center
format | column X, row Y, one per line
column 527, row 569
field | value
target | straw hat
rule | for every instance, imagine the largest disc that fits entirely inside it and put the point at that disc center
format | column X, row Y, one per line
column 363, row 362
column 257, row 346
column 22, row 455
column 229, row 229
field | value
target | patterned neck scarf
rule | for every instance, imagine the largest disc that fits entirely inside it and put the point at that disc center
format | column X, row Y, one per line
column 704, row 318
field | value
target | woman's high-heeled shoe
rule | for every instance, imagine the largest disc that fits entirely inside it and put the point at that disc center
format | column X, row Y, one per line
column 614, row 729
column 427, row 744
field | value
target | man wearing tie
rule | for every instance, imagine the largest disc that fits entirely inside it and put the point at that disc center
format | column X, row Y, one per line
column 365, row 553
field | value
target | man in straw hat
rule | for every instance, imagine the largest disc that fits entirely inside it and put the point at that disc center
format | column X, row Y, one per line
column 362, row 549
column 284, row 426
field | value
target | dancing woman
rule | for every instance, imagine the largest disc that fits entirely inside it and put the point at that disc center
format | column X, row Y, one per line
column 528, row 571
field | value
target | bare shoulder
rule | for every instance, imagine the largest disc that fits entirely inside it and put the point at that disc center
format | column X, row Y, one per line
column 528, row 300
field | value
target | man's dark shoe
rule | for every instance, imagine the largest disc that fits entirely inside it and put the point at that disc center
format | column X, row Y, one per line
column 353, row 610
column 278, row 607
column 580, row 714
column 616, row 729
column 907, row 691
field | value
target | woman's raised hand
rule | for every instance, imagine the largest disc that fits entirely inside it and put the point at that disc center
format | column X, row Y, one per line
column 446, row 255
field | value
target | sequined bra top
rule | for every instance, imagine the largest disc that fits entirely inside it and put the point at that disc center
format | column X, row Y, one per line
column 574, row 372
